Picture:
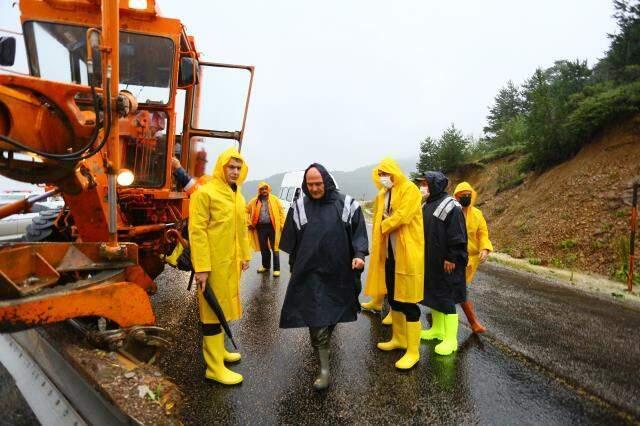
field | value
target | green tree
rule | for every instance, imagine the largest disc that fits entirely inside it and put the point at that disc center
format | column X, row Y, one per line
column 428, row 159
column 622, row 61
column 446, row 153
column 508, row 104
column 550, row 97
column 452, row 149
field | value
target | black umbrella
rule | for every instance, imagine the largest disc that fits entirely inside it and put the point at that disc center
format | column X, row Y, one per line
column 210, row 297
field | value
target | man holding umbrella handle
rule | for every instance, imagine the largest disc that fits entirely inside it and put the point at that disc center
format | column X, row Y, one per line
column 220, row 251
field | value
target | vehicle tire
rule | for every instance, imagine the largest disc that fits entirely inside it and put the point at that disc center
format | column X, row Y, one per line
column 43, row 228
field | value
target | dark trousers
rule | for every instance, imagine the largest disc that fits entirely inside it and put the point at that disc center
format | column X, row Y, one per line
column 267, row 238
column 210, row 329
column 410, row 310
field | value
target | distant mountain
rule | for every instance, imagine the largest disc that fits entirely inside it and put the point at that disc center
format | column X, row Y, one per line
column 356, row 183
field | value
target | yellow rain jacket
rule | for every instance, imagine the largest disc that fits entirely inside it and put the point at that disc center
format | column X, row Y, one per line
column 406, row 222
column 477, row 231
column 276, row 214
column 218, row 238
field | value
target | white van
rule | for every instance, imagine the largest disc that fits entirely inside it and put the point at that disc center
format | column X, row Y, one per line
column 292, row 183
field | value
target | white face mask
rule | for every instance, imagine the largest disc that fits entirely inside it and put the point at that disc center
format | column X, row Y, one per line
column 386, row 181
column 425, row 191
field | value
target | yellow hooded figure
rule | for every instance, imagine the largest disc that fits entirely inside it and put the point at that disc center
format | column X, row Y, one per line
column 219, row 245
column 478, row 246
column 477, row 230
column 397, row 257
column 406, row 205
column 276, row 220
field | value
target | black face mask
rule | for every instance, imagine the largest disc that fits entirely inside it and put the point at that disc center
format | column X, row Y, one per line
column 465, row 200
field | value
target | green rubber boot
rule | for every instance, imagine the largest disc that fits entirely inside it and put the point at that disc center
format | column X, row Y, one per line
column 450, row 342
column 437, row 327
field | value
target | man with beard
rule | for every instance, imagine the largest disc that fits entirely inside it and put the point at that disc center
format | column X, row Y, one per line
column 445, row 237
column 219, row 254
column 266, row 219
column 326, row 237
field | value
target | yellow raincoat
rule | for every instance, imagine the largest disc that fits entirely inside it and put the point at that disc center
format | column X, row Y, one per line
column 276, row 214
column 218, row 238
column 477, row 231
column 406, row 221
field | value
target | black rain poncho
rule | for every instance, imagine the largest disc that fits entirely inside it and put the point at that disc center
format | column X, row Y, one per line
column 322, row 237
column 445, row 237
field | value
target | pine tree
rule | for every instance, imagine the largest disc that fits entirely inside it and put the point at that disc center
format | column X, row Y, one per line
column 508, row 104
column 452, row 149
column 428, row 159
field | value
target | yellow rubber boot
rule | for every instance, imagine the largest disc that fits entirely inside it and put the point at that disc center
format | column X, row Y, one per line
column 388, row 319
column 375, row 304
column 172, row 259
column 231, row 356
column 399, row 333
column 412, row 356
column 213, row 352
column 437, row 327
column 450, row 342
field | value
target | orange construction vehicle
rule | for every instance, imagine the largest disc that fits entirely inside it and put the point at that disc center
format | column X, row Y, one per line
column 113, row 88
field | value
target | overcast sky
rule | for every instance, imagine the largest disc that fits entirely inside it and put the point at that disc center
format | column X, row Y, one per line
column 347, row 82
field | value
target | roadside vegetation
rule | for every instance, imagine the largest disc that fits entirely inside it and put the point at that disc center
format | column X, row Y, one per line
column 547, row 118
column 540, row 123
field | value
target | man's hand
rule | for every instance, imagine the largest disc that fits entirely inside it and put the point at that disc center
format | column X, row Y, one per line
column 201, row 280
column 357, row 263
column 449, row 266
column 175, row 164
column 251, row 227
column 245, row 265
column 484, row 254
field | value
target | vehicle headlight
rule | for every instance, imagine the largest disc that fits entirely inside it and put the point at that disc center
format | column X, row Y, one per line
column 125, row 177
column 138, row 4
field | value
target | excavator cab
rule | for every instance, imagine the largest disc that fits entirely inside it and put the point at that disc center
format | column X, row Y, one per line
column 114, row 92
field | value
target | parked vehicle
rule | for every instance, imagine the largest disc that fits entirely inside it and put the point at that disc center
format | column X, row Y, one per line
column 292, row 184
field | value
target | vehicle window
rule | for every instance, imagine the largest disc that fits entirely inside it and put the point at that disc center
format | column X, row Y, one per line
column 290, row 194
column 145, row 148
column 283, row 193
column 58, row 52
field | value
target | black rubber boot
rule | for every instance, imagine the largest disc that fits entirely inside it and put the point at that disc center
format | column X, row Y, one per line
column 320, row 340
column 323, row 380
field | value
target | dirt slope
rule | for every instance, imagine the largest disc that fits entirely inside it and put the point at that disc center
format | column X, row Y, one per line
column 572, row 215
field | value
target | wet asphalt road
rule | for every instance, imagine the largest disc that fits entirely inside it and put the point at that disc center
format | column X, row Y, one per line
column 543, row 362
column 15, row 410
